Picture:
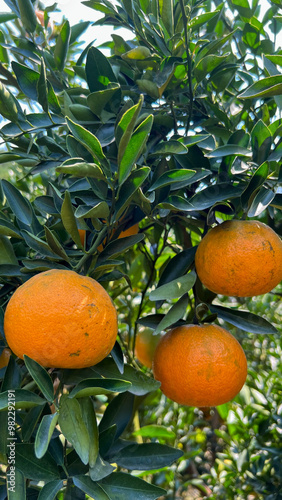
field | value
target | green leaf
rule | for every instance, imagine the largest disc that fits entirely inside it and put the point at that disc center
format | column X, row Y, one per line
column 214, row 46
column 101, row 210
column 91, row 488
column 44, row 469
column 95, row 386
column 8, row 106
column 134, row 148
column 152, row 320
column 27, row 14
column 7, row 254
column 52, row 100
column 106, row 440
column 42, row 87
column 261, row 139
column 244, row 320
column 177, row 203
column 266, row 87
column 7, row 16
column 155, row 431
column 146, row 456
column 20, row 490
column 8, row 229
column 19, row 205
column 119, row 246
column 9, row 270
column 176, row 312
column 119, row 413
column 68, row 219
column 207, row 64
column 89, row 417
column 148, row 87
column 98, row 100
column 129, row 187
column 201, row 19
column 23, row 399
column 54, row 244
column 175, row 288
column 277, row 201
column 46, row 204
column 137, row 53
column 101, row 469
column 141, row 384
column 256, row 181
column 38, row 245
column 169, row 148
column 56, row 449
column 125, row 127
column 213, row 194
column 27, row 78
column 62, row 46
column 222, row 76
column 227, row 150
column 80, row 112
column 73, row 427
column 99, row 72
column 38, row 265
column 178, row 265
column 118, row 357
column 77, row 30
column 50, row 490
column 173, row 176
column 260, row 202
column 120, row 485
column 251, row 36
column 275, row 59
column 243, row 8
column 89, row 141
column 44, row 434
column 166, row 12
column 12, row 377
column 41, row 377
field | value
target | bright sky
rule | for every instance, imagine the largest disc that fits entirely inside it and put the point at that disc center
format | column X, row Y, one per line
column 75, row 12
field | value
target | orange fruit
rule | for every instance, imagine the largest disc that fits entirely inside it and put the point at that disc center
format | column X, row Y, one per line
column 4, row 357
column 200, row 365
column 240, row 258
column 145, row 345
column 130, row 231
column 82, row 234
column 61, row 320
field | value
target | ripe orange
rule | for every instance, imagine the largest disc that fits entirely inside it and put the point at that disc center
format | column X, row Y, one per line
column 4, row 357
column 200, row 365
column 240, row 258
column 130, row 231
column 82, row 234
column 145, row 346
column 61, row 320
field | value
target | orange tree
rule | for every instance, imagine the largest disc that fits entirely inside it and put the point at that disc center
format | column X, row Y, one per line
column 176, row 130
